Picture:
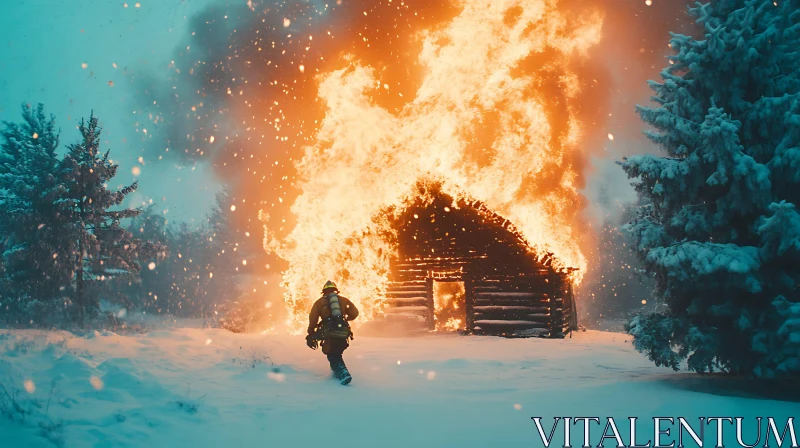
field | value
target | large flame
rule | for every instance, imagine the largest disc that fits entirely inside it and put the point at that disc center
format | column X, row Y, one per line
column 494, row 119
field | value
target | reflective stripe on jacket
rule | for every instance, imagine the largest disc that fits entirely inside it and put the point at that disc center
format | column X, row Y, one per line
column 321, row 311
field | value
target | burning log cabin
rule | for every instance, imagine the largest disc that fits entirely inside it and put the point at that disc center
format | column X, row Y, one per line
column 467, row 268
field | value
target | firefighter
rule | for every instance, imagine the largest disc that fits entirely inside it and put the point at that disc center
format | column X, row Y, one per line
column 328, row 323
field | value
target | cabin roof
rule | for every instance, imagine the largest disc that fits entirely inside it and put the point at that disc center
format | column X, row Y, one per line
column 422, row 226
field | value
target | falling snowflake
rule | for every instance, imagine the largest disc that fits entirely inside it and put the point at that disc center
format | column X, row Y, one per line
column 276, row 376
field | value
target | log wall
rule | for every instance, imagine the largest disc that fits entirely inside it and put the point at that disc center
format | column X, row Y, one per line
column 538, row 302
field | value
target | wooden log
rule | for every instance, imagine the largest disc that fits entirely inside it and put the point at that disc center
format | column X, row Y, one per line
column 512, row 302
column 429, row 292
column 544, row 318
column 523, row 308
column 407, row 301
column 405, row 287
column 406, row 283
column 478, row 289
column 469, row 302
column 511, row 295
column 400, row 294
column 507, row 325
column 573, row 311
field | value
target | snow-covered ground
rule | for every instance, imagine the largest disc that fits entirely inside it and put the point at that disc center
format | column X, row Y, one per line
column 212, row 388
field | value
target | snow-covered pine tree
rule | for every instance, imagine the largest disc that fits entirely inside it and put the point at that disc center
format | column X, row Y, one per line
column 153, row 290
column 31, row 220
column 102, row 248
column 720, row 230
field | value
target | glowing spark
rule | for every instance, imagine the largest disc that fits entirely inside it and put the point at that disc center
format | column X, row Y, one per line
column 211, row 139
column 35, row 135
column 233, row 208
column 208, row 341
column 30, row 387
column 151, row 266
column 611, row 137
column 286, row 23
column 136, row 171
column 84, row 66
column 430, row 375
column 518, row 406
column 96, row 383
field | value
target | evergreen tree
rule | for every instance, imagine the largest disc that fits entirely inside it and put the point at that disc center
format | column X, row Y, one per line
column 225, row 254
column 620, row 287
column 102, row 248
column 31, row 220
column 153, row 285
column 720, row 231
column 208, row 263
column 201, row 268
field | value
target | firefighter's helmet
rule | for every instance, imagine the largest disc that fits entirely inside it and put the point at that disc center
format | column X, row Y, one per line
column 329, row 285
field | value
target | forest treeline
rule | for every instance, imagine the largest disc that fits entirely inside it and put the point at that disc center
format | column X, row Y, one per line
column 69, row 242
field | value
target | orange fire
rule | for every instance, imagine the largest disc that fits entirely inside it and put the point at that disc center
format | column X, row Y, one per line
column 494, row 118
column 448, row 305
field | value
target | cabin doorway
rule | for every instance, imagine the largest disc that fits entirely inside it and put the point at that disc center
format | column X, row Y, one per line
column 449, row 305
